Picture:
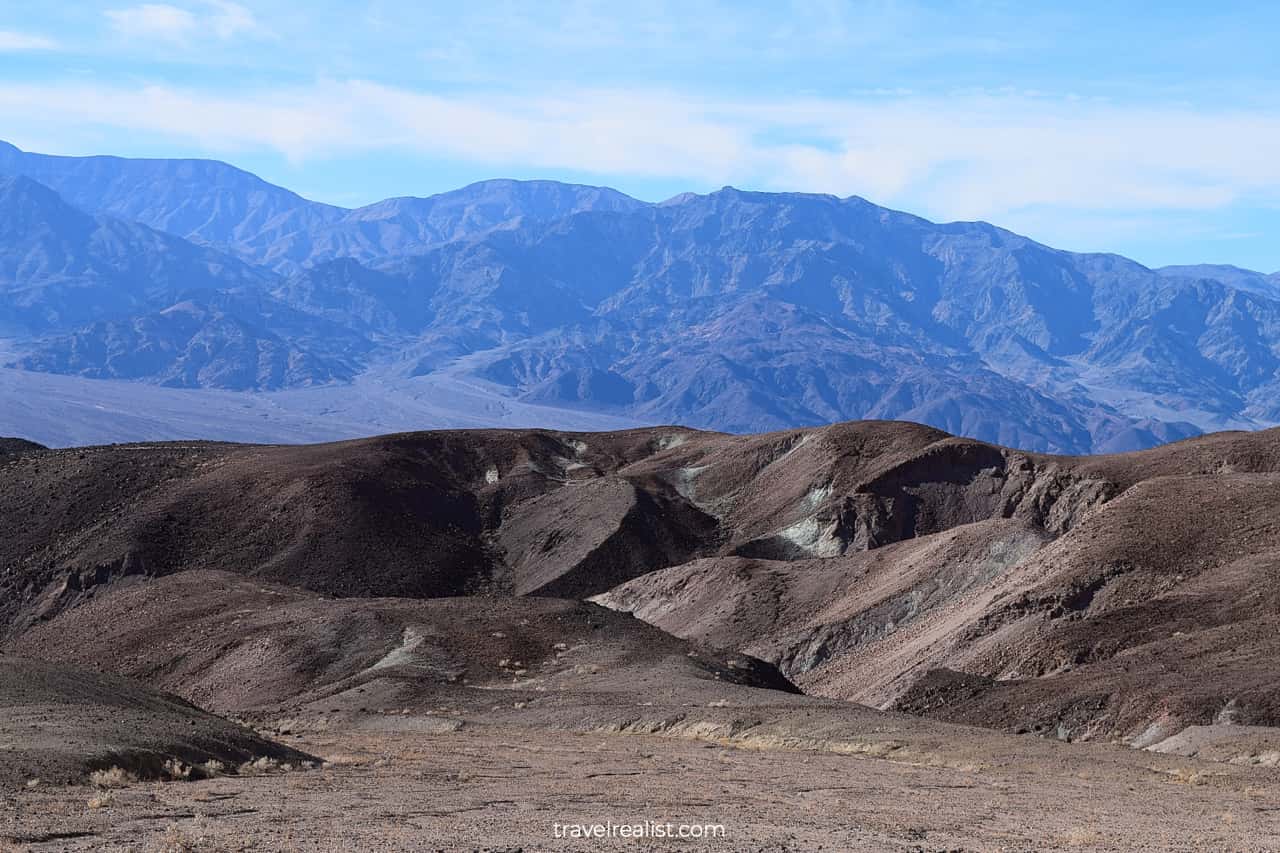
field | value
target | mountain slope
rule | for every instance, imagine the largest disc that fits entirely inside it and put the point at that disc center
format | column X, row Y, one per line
column 200, row 200
column 412, row 226
column 1241, row 279
column 231, row 339
column 748, row 311
column 60, row 267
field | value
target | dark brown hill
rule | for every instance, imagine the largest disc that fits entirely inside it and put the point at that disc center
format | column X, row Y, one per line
column 445, row 513
column 15, row 446
column 857, row 557
column 402, row 515
column 58, row 724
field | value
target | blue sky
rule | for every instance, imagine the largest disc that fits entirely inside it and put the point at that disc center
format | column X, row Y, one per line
column 1146, row 129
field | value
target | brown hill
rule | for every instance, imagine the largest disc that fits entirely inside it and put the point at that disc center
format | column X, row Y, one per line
column 1142, row 614
column 447, row 513
column 233, row 644
column 15, row 446
column 1100, row 596
column 59, row 724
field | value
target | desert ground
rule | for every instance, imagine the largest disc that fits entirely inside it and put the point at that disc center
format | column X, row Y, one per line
column 866, row 636
column 506, row 788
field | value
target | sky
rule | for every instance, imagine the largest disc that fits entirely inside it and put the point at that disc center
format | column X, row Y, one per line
column 1152, row 130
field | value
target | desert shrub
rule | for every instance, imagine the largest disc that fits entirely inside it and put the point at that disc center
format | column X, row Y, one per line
column 114, row 777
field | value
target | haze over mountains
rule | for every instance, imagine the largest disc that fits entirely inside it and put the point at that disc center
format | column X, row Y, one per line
column 734, row 311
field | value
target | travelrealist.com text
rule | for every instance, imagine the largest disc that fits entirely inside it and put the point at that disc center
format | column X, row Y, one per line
column 641, row 829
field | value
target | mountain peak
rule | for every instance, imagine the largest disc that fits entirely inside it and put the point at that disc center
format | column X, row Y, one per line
column 733, row 193
column 1228, row 274
column 206, row 201
column 546, row 183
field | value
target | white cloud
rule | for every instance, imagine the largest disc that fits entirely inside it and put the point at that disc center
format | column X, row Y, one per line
column 153, row 20
column 970, row 156
column 13, row 41
column 172, row 23
column 231, row 19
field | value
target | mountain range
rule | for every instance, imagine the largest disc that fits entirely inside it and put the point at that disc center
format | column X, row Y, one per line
column 735, row 311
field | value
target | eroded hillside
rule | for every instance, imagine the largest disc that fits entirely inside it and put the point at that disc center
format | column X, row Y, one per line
column 1121, row 596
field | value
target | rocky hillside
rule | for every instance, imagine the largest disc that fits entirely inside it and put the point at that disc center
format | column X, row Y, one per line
column 1125, row 596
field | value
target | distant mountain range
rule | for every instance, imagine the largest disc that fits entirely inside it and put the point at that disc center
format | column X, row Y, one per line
column 734, row 310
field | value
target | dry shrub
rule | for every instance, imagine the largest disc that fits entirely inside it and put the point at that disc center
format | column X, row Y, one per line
column 176, row 839
column 177, row 770
column 114, row 777
column 1190, row 776
column 264, row 765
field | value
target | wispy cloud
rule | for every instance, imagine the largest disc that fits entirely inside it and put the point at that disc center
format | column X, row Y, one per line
column 14, row 41
column 153, row 20
column 1031, row 115
column 231, row 19
column 162, row 21
column 974, row 155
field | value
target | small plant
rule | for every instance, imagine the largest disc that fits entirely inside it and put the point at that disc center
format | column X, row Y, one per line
column 101, row 800
column 114, row 777
column 1191, row 776
column 262, row 765
column 177, row 770
column 179, row 840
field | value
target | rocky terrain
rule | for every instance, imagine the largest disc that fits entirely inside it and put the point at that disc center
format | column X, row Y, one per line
column 963, row 614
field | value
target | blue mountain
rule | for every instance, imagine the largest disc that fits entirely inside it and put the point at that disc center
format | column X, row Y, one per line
column 733, row 310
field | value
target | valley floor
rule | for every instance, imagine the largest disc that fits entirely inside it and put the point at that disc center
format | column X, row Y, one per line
column 505, row 789
column 64, row 411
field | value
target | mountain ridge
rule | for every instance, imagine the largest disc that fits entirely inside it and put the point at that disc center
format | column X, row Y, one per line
column 735, row 310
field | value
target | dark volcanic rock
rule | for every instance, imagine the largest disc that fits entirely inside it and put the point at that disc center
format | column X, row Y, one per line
column 447, row 513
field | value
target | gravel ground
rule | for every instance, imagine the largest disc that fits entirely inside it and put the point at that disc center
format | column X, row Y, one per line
column 494, row 789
